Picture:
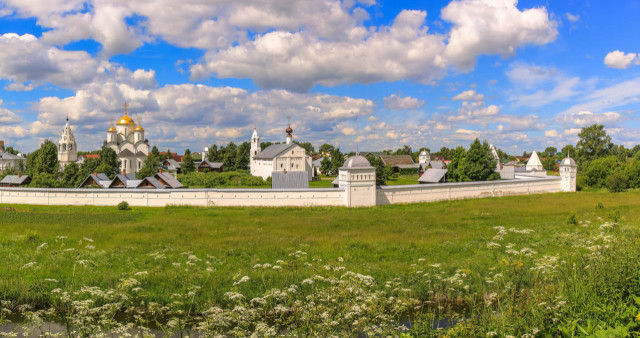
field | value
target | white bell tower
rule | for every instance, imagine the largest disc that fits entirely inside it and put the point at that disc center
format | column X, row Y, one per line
column 67, row 148
column 568, row 174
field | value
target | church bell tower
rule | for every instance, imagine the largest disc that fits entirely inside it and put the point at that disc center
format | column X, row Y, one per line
column 67, row 148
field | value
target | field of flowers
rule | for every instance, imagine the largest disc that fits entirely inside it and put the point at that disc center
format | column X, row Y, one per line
column 526, row 266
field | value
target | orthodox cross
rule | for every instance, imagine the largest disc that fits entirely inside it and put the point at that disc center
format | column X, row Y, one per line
column 125, row 105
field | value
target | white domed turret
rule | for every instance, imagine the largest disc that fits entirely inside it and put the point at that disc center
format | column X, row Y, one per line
column 568, row 174
column 138, row 133
column 67, row 150
column 424, row 157
column 358, row 177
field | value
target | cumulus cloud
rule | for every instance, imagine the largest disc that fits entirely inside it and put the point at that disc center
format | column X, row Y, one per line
column 587, row 118
column 189, row 112
column 621, row 60
column 493, row 27
column 8, row 117
column 573, row 17
column 469, row 95
column 395, row 102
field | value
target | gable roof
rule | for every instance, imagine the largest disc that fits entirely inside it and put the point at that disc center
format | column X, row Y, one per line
column 289, row 180
column 534, row 160
column 168, row 179
column 152, row 181
column 100, row 180
column 274, row 150
column 395, row 160
column 212, row 165
column 125, row 179
column 433, row 175
column 15, row 179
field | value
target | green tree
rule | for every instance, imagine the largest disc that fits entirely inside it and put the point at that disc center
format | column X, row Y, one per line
column 44, row 160
column 502, row 155
column 149, row 167
column 478, row 164
column 617, row 181
column 155, row 152
column 453, row 169
column 308, row 147
column 109, row 162
column 45, row 180
column 568, row 151
column 632, row 171
column 230, row 154
column 242, row 157
column 551, row 151
column 326, row 165
column 405, row 150
column 326, row 148
column 596, row 171
column 11, row 150
column 70, row 175
column 337, row 161
column 214, row 154
column 187, row 166
column 88, row 167
column 381, row 175
column 594, row 143
column 549, row 163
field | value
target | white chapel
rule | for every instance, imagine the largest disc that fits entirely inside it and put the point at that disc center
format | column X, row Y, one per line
column 279, row 157
column 67, row 147
column 128, row 141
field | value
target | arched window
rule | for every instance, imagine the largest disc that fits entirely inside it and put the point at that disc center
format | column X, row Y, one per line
column 64, row 147
column 71, row 147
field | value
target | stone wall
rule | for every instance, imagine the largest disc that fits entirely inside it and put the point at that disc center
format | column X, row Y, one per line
column 453, row 191
column 275, row 198
column 159, row 198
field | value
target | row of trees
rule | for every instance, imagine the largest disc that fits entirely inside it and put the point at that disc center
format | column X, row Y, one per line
column 43, row 167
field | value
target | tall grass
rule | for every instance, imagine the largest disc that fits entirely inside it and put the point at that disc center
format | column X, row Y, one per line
column 503, row 266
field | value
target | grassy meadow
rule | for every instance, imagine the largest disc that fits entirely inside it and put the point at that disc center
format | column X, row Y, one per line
column 539, row 265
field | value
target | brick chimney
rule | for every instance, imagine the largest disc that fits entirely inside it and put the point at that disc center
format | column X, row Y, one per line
column 124, row 172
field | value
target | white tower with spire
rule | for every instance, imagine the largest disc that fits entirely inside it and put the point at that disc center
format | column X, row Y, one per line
column 568, row 174
column 67, row 148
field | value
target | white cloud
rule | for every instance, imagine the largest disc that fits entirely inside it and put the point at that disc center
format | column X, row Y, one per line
column 8, row 117
column 551, row 133
column 587, row 118
column 573, row 17
column 617, row 95
column 529, row 75
column 620, row 60
column 469, row 95
column 493, row 27
column 395, row 102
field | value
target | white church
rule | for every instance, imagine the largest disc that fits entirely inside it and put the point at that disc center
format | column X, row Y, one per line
column 279, row 157
column 128, row 141
column 67, row 147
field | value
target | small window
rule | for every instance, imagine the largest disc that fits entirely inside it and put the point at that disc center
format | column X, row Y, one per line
column 280, row 165
column 292, row 152
column 71, row 147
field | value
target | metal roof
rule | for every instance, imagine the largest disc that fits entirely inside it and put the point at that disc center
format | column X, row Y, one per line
column 433, row 175
column 436, row 164
column 290, row 180
column 14, row 179
column 274, row 150
column 212, row 165
column 395, row 160
column 100, row 179
column 10, row 156
column 169, row 179
column 153, row 181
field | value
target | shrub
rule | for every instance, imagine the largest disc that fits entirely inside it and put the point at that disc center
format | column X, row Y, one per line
column 123, row 205
column 572, row 220
column 617, row 181
column 600, row 205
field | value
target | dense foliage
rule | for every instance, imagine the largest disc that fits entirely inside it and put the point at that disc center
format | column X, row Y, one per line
column 475, row 164
column 222, row 180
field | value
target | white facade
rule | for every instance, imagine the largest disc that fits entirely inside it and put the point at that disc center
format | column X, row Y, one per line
column 534, row 162
column 568, row 174
column 424, row 157
column 67, row 147
column 128, row 141
column 358, row 178
column 278, row 157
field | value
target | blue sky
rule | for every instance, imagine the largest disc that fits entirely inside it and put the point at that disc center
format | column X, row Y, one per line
column 373, row 74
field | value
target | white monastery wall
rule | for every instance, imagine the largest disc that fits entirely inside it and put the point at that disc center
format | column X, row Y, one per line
column 453, row 191
column 354, row 195
column 159, row 198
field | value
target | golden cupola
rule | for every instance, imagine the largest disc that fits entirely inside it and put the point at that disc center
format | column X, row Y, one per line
column 111, row 129
column 139, row 128
column 125, row 120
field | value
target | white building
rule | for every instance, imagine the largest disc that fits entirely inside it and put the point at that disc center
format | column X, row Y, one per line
column 8, row 160
column 128, row 141
column 67, row 147
column 424, row 157
column 278, row 157
column 534, row 163
column 568, row 172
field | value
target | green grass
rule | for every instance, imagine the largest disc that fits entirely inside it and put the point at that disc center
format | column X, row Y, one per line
column 325, row 182
column 385, row 242
column 403, row 180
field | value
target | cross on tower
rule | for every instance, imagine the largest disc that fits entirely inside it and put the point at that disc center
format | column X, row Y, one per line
column 125, row 105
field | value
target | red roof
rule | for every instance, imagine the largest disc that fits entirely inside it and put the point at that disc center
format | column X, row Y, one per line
column 91, row 155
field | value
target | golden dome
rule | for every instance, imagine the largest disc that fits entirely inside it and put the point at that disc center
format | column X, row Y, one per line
column 111, row 129
column 139, row 128
column 125, row 120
